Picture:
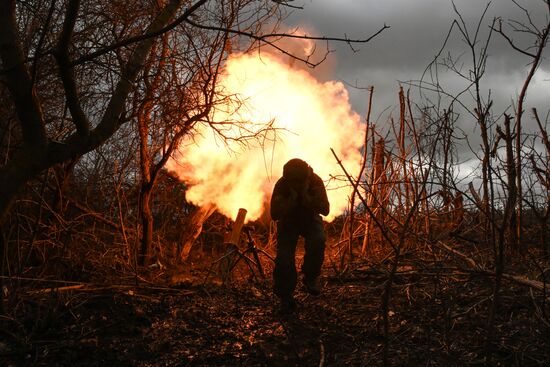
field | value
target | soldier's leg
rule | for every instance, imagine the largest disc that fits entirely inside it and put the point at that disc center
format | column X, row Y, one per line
column 284, row 274
column 314, row 235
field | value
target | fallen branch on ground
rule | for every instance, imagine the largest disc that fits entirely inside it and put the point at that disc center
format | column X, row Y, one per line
column 474, row 266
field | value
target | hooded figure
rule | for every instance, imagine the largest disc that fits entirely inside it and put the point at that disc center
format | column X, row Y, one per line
column 299, row 198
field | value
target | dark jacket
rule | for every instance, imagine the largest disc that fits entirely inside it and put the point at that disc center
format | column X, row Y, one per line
column 302, row 203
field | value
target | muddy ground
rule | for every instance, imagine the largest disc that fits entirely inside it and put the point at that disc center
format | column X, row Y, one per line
column 437, row 317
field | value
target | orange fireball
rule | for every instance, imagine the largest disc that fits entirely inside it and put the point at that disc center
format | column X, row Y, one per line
column 308, row 118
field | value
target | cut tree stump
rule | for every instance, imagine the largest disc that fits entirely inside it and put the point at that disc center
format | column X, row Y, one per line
column 194, row 229
column 232, row 246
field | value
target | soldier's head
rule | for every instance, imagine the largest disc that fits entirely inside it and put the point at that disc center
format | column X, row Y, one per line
column 296, row 172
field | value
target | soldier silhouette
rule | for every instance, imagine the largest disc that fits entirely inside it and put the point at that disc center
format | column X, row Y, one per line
column 299, row 199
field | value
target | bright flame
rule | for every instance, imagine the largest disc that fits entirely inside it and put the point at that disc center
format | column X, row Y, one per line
column 309, row 118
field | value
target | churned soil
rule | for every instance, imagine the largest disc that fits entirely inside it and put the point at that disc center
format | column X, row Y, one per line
column 437, row 316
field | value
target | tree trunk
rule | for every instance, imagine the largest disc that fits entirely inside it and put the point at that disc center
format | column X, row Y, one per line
column 26, row 164
column 499, row 255
column 38, row 152
column 2, row 261
column 194, row 229
column 376, row 196
column 146, row 243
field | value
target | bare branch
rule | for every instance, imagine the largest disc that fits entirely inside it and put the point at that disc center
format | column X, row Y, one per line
column 66, row 71
column 41, row 40
column 190, row 10
column 18, row 79
column 542, row 130
column 286, row 3
column 510, row 41
column 266, row 39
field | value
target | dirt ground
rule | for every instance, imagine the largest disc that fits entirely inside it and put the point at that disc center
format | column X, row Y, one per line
column 437, row 317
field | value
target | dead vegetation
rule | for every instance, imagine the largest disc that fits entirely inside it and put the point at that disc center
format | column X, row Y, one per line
column 425, row 268
column 437, row 315
column 409, row 279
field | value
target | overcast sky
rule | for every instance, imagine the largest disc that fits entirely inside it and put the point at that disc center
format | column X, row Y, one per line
column 418, row 30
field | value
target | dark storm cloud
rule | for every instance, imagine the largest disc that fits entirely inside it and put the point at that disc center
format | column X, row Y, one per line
column 418, row 30
column 418, row 27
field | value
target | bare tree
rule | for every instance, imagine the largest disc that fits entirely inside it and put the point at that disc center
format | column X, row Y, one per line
column 38, row 151
column 77, row 74
column 78, row 39
column 540, row 35
column 499, row 175
column 173, row 98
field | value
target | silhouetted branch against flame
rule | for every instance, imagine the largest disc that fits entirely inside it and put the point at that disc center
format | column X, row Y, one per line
column 267, row 39
column 129, row 41
column 286, row 3
column 367, row 208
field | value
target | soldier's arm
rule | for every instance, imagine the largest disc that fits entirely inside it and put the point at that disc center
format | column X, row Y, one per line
column 316, row 197
column 283, row 200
